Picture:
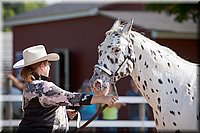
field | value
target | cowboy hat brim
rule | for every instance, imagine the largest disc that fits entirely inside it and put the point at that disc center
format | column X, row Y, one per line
column 49, row 57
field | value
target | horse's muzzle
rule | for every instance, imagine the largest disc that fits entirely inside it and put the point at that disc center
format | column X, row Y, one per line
column 98, row 87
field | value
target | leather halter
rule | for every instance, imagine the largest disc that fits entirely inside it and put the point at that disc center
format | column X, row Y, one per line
column 113, row 74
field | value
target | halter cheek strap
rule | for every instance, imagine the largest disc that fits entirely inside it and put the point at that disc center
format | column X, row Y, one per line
column 104, row 69
column 112, row 75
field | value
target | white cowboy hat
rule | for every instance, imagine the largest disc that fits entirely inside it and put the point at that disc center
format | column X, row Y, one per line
column 34, row 55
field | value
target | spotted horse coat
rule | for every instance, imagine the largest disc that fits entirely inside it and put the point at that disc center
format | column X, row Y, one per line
column 167, row 82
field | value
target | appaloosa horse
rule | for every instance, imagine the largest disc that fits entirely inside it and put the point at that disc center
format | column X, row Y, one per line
column 168, row 83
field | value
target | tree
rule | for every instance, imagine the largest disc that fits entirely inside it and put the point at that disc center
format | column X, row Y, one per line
column 183, row 12
column 10, row 9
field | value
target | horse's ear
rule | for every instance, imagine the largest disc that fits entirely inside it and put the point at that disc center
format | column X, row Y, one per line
column 128, row 27
column 116, row 24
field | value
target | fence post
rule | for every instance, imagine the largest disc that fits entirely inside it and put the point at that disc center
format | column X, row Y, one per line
column 8, row 105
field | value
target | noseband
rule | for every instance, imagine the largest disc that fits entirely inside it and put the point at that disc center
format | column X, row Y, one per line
column 112, row 75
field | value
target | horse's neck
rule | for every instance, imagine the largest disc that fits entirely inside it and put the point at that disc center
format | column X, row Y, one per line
column 154, row 67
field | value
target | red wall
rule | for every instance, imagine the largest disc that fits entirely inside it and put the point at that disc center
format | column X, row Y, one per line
column 80, row 36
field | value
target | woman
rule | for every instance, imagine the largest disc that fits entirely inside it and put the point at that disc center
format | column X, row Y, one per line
column 44, row 102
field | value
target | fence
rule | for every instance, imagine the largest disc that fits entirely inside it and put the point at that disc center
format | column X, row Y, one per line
column 95, row 123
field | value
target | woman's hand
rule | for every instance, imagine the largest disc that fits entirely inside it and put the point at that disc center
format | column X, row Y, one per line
column 100, row 93
column 110, row 100
column 71, row 113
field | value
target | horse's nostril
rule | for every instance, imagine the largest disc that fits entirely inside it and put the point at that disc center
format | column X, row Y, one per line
column 98, row 84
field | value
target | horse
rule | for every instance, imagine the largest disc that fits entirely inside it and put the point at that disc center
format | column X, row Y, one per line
column 166, row 81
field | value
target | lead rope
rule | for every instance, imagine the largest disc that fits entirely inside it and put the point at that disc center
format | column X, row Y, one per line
column 89, row 121
column 94, row 116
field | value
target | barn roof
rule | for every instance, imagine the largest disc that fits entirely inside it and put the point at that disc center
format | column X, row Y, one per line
column 54, row 12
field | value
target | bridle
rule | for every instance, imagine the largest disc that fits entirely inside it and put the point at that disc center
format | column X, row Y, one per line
column 113, row 75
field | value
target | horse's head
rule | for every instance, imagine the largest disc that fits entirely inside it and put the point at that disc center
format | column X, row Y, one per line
column 116, row 58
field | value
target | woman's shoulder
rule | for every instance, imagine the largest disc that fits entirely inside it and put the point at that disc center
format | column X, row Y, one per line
column 44, row 82
column 39, row 84
column 48, row 83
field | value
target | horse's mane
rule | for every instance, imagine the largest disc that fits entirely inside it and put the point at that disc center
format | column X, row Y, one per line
column 166, row 49
column 163, row 48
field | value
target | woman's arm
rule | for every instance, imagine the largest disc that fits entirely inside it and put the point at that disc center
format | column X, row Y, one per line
column 16, row 82
column 54, row 95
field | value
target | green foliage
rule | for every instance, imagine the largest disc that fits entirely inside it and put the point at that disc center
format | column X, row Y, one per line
column 10, row 9
column 183, row 12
